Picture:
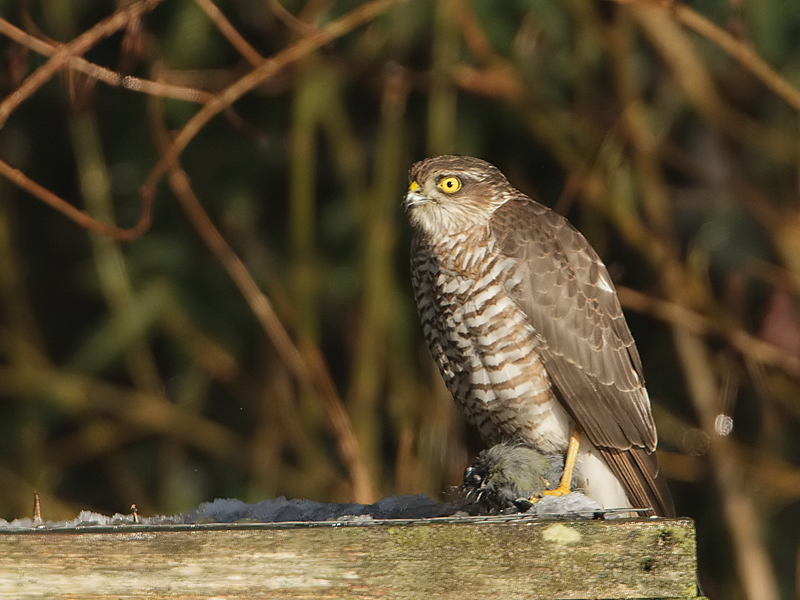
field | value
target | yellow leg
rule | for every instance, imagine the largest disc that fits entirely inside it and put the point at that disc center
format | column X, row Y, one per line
column 569, row 464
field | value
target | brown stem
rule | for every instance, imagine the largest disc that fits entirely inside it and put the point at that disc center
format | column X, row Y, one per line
column 80, row 217
column 106, row 27
column 112, row 78
column 748, row 345
column 229, row 31
column 742, row 518
column 743, row 53
column 363, row 14
column 312, row 367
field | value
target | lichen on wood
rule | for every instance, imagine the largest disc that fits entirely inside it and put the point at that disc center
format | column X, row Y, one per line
column 477, row 559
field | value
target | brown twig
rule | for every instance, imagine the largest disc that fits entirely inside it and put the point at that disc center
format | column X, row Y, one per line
column 77, row 47
column 295, row 24
column 78, row 216
column 58, row 59
column 743, row 53
column 752, row 559
column 675, row 314
column 363, row 14
column 309, row 369
column 677, row 50
column 229, row 31
column 112, row 78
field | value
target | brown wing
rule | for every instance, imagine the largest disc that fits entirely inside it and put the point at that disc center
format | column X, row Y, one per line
column 588, row 350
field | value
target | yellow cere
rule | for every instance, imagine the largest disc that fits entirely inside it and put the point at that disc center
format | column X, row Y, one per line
column 413, row 187
column 450, row 185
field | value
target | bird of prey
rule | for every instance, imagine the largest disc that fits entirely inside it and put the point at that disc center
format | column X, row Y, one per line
column 525, row 325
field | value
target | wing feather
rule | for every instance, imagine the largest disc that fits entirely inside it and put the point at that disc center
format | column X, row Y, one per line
column 588, row 349
column 568, row 296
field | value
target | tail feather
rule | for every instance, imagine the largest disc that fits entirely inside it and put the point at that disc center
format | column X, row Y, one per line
column 637, row 470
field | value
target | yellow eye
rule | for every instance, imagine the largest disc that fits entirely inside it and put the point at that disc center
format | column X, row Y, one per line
column 450, row 185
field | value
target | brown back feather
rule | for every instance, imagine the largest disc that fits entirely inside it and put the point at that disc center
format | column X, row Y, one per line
column 587, row 348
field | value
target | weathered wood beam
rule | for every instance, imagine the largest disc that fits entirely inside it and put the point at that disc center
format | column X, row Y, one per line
column 476, row 559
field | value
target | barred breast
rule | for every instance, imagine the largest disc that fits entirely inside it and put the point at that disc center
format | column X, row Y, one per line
column 482, row 341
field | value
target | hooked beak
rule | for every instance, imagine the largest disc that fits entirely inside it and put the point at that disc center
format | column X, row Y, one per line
column 414, row 196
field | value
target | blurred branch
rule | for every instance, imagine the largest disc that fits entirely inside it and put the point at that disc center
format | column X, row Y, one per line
column 764, row 470
column 229, row 31
column 295, row 24
column 374, row 358
column 78, row 216
column 75, row 394
column 15, row 301
column 675, row 314
column 309, row 370
column 442, row 95
column 741, row 515
column 646, row 144
column 107, row 76
column 743, row 53
column 341, row 26
column 92, row 441
column 474, row 36
column 783, row 226
column 217, row 362
column 112, row 270
column 777, row 477
column 678, row 466
column 310, row 97
column 697, row 83
column 81, row 44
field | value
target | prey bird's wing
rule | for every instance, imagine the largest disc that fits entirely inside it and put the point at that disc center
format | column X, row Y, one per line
column 587, row 348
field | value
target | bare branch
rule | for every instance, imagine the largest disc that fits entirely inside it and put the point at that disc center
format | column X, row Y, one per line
column 77, row 47
column 743, row 53
column 305, row 369
column 112, row 78
column 339, row 27
column 80, row 217
column 229, row 31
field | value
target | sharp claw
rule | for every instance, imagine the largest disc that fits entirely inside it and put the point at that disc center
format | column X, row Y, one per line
column 559, row 491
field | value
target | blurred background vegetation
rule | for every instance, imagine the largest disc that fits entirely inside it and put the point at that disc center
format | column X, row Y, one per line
column 259, row 338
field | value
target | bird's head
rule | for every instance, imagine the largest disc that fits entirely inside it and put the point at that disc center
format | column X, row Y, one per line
column 506, row 475
column 451, row 194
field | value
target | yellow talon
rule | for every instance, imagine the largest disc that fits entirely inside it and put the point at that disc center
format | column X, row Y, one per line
column 569, row 465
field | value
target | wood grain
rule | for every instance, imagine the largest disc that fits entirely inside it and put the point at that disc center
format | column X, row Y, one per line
column 585, row 559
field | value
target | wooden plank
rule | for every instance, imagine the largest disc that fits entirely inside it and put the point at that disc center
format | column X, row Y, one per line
column 535, row 559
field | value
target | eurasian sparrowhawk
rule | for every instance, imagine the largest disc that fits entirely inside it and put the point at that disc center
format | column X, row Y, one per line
column 524, row 323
